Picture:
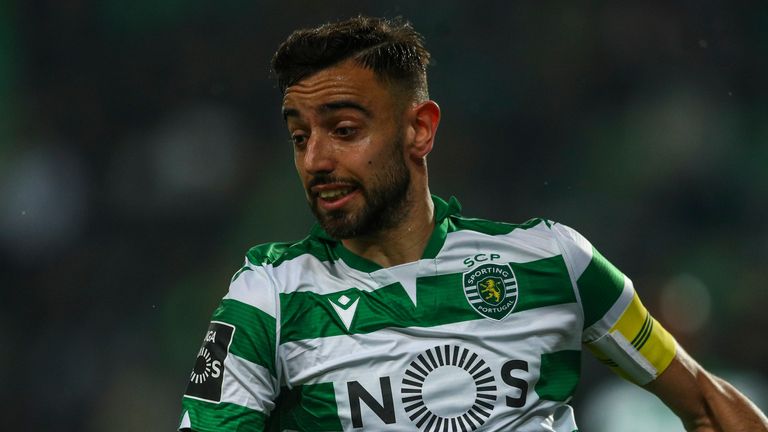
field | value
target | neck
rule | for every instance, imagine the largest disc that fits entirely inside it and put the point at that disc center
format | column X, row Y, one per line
column 403, row 243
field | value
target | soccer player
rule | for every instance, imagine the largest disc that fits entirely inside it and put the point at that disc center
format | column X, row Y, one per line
column 396, row 312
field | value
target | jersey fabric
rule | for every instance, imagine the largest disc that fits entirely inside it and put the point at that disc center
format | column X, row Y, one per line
column 484, row 332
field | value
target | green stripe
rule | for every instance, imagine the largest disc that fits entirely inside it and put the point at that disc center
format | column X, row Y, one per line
column 490, row 227
column 321, row 246
column 440, row 300
column 436, row 240
column 559, row 375
column 254, row 338
column 355, row 261
column 600, row 286
column 278, row 253
column 222, row 417
column 306, row 408
column 541, row 283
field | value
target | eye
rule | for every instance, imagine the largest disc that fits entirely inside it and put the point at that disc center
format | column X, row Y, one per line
column 344, row 132
column 298, row 139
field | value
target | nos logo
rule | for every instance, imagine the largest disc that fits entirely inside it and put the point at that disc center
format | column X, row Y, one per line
column 206, row 379
column 445, row 388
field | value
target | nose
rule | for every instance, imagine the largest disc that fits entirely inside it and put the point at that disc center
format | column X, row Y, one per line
column 318, row 155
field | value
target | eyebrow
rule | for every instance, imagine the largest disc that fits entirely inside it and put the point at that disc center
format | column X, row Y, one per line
column 290, row 112
column 329, row 107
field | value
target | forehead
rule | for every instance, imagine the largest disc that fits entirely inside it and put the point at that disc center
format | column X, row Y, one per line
column 343, row 82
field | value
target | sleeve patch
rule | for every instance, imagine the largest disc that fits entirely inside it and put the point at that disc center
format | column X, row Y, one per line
column 207, row 377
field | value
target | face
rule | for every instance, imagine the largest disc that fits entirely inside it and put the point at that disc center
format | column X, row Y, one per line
column 348, row 141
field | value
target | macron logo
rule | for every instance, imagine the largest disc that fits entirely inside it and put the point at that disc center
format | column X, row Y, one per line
column 345, row 307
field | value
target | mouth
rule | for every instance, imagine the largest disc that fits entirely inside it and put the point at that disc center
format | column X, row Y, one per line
column 333, row 196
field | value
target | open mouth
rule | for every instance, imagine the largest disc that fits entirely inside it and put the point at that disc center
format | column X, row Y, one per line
column 335, row 194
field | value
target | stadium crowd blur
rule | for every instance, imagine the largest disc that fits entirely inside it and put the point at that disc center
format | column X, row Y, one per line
column 142, row 152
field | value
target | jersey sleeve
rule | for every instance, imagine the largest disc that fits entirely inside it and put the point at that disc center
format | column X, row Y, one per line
column 618, row 329
column 234, row 383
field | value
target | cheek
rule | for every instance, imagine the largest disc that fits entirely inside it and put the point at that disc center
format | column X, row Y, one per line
column 300, row 170
column 298, row 162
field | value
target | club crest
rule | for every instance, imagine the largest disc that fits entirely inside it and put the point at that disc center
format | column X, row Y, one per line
column 491, row 289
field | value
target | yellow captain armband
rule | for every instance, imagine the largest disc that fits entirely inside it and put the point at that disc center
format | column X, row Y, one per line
column 637, row 347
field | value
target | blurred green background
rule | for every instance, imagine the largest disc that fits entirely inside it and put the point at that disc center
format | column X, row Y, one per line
column 142, row 152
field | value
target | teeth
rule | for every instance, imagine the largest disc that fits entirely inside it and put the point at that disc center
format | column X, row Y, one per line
column 336, row 193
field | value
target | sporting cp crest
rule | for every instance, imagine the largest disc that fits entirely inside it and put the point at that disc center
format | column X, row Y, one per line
column 491, row 289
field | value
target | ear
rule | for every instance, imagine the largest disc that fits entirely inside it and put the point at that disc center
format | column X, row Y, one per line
column 425, row 118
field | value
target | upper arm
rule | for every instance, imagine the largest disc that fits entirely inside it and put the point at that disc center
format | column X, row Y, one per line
column 234, row 382
column 618, row 329
column 623, row 334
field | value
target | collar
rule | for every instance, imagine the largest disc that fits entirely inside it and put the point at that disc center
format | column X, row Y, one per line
column 443, row 210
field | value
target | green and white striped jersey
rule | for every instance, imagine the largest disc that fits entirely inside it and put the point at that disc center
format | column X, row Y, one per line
column 482, row 333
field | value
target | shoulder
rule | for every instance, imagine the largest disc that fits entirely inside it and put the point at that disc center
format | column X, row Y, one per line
column 566, row 237
column 540, row 234
column 266, row 266
column 490, row 227
column 276, row 253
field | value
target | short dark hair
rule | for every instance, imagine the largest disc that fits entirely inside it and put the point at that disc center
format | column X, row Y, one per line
column 392, row 49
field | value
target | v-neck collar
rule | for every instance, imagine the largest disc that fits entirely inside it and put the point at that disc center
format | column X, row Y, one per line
column 443, row 210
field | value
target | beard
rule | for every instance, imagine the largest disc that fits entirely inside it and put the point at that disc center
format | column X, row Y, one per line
column 386, row 200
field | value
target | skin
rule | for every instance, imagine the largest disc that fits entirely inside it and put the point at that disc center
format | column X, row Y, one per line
column 704, row 402
column 344, row 123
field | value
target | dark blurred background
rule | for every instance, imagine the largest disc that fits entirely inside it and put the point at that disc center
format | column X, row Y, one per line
column 142, row 152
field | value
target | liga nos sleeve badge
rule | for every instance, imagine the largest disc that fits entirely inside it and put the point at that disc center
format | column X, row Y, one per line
column 207, row 376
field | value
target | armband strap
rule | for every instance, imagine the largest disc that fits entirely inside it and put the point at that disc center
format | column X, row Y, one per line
column 637, row 347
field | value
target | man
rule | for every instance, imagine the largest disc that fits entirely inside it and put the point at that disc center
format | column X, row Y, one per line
column 397, row 313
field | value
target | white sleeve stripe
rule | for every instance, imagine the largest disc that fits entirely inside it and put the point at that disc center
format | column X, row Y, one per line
column 248, row 384
column 568, row 260
column 251, row 287
column 579, row 249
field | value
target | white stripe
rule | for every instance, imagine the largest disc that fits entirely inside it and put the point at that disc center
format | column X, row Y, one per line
column 306, row 273
column 543, row 417
column 309, row 274
column 406, row 274
column 576, row 248
column 252, row 287
column 520, row 246
column 343, row 358
column 604, row 324
column 185, row 422
column 248, row 384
